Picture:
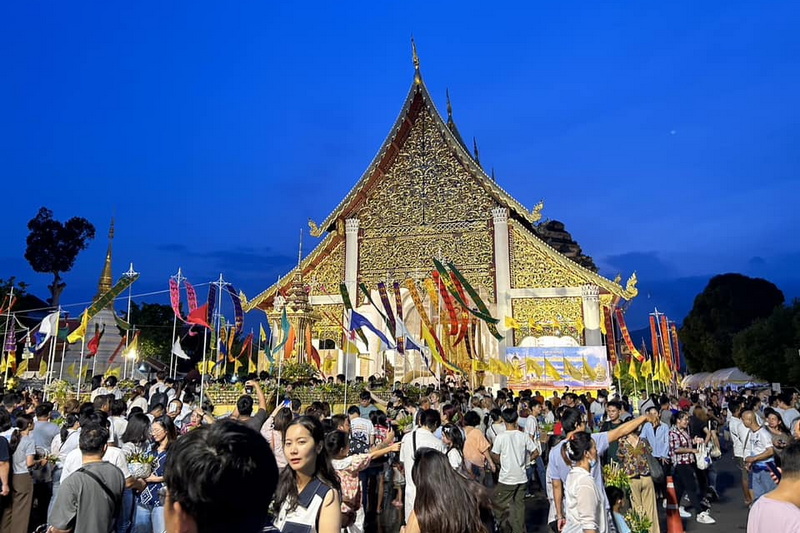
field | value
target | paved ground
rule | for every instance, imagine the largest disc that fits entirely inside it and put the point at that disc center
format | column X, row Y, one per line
column 729, row 511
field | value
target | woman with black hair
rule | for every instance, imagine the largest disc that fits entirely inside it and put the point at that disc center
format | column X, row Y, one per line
column 585, row 505
column 308, row 491
column 465, row 509
column 454, row 440
column 149, row 515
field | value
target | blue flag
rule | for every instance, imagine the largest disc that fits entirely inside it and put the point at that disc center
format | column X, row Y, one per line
column 358, row 321
column 285, row 326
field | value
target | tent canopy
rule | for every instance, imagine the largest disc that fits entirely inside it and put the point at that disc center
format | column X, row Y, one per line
column 720, row 378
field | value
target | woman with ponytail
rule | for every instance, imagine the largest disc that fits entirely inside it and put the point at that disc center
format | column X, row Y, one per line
column 585, row 505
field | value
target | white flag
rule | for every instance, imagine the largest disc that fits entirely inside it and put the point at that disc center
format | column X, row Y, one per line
column 178, row 350
column 47, row 329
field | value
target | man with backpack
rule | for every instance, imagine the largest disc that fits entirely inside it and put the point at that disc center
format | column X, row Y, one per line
column 89, row 500
column 161, row 392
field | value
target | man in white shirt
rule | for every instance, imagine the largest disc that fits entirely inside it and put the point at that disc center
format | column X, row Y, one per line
column 532, row 430
column 512, row 449
column 422, row 437
column 360, row 428
column 758, row 455
column 739, row 437
column 788, row 413
column 598, row 410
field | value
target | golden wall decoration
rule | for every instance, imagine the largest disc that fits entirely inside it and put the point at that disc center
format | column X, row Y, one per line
column 328, row 326
column 427, row 205
column 568, row 311
column 532, row 267
column 326, row 276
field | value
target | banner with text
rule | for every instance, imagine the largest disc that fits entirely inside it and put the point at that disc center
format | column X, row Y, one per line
column 579, row 367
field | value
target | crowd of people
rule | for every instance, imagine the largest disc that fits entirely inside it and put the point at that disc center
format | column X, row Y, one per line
column 450, row 460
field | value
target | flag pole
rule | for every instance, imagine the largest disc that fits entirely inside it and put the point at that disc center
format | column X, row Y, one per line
column 172, row 360
column 204, row 364
column 80, row 370
column 9, row 317
column 63, row 355
column 52, row 357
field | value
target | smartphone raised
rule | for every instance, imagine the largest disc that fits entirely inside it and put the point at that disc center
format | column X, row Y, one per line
column 249, row 389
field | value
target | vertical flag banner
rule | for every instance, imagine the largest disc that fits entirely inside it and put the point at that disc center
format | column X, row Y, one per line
column 654, row 337
column 665, row 337
column 626, row 336
column 175, row 297
column 427, row 331
column 94, row 344
column 611, row 341
column 398, row 302
column 676, row 347
column 484, row 310
column 285, row 326
column 211, row 304
column 80, row 332
column 191, row 295
column 312, row 353
column 387, row 306
column 632, row 370
column 47, row 328
column 238, row 313
column 349, row 306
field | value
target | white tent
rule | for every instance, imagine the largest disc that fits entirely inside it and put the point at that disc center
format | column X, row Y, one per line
column 726, row 377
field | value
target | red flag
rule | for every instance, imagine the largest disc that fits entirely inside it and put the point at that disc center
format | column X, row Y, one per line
column 247, row 345
column 94, row 344
column 199, row 316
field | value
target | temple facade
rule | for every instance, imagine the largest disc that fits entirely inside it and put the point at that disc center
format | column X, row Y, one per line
column 425, row 196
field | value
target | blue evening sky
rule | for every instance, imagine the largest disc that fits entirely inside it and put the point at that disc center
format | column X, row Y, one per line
column 663, row 134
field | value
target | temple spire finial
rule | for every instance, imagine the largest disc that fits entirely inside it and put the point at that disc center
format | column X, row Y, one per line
column 475, row 150
column 415, row 59
column 300, row 249
column 107, row 276
column 449, row 105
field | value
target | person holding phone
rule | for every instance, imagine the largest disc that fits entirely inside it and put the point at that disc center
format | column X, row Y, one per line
column 244, row 407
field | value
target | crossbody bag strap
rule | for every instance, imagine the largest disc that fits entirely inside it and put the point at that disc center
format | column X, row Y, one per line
column 103, row 486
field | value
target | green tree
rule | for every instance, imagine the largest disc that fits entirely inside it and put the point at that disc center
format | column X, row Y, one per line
column 155, row 323
column 768, row 349
column 53, row 246
column 729, row 304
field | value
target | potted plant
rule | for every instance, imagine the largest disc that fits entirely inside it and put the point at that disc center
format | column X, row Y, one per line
column 140, row 465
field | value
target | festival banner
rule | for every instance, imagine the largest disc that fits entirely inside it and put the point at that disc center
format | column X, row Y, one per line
column 238, row 313
column 285, row 326
column 427, row 331
column 122, row 324
column 666, row 338
column 80, row 332
column 191, row 295
column 632, row 371
column 211, row 304
column 94, row 344
column 654, row 337
column 312, row 353
column 675, row 363
column 454, row 283
column 578, row 367
column 116, row 351
column 398, row 302
column 646, row 370
column 200, row 316
column 175, row 297
column 47, row 328
column 611, row 341
column 11, row 336
column 626, row 336
column 387, row 306
column 348, row 306
column 358, row 321
column 492, row 323
column 103, row 301
column 448, row 303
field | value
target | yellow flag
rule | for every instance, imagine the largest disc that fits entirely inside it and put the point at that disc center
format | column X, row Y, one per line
column 80, row 333
column 42, row 368
column 236, row 366
column 22, row 367
column 71, row 371
column 511, row 323
column 131, row 349
column 532, row 367
column 116, row 372
column 3, row 365
column 632, row 370
column 646, row 370
column 590, row 373
column 261, row 333
column 618, row 371
column 603, row 321
column 206, row 367
column 664, row 372
column 572, row 370
column 479, row 366
column 551, row 371
column 251, row 368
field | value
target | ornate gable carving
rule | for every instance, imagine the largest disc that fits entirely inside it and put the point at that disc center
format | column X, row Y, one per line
column 326, row 276
column 426, row 205
column 532, row 267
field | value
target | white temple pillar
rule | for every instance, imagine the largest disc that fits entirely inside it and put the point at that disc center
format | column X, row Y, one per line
column 590, row 294
column 351, row 258
column 502, row 272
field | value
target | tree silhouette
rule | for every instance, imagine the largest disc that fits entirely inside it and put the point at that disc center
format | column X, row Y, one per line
column 729, row 304
column 53, row 246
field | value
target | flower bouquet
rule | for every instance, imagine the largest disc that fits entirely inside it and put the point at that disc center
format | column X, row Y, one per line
column 404, row 423
column 140, row 465
column 614, row 476
column 638, row 522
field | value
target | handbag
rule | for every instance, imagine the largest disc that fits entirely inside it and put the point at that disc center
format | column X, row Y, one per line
column 713, row 451
column 702, row 456
column 656, row 468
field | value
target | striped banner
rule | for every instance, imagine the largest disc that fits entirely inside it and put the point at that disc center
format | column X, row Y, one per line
column 427, row 331
column 398, row 302
column 626, row 336
column 175, row 298
column 654, row 337
column 191, row 295
column 665, row 336
column 387, row 306
column 448, row 303
column 611, row 341
column 676, row 349
column 492, row 324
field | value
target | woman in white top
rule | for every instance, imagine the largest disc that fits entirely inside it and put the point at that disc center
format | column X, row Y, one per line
column 454, row 440
column 585, row 510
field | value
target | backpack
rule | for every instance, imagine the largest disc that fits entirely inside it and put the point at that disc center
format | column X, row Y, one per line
column 160, row 397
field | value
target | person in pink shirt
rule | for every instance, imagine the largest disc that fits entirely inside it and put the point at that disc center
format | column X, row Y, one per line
column 779, row 510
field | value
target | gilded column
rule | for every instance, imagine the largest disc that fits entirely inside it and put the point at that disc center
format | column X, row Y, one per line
column 590, row 294
column 502, row 271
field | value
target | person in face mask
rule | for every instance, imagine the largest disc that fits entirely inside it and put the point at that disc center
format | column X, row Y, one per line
column 585, row 505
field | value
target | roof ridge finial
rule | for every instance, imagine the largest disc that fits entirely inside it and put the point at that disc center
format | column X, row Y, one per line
column 493, row 178
column 300, row 250
column 107, row 275
column 415, row 59
column 449, row 105
column 475, row 150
